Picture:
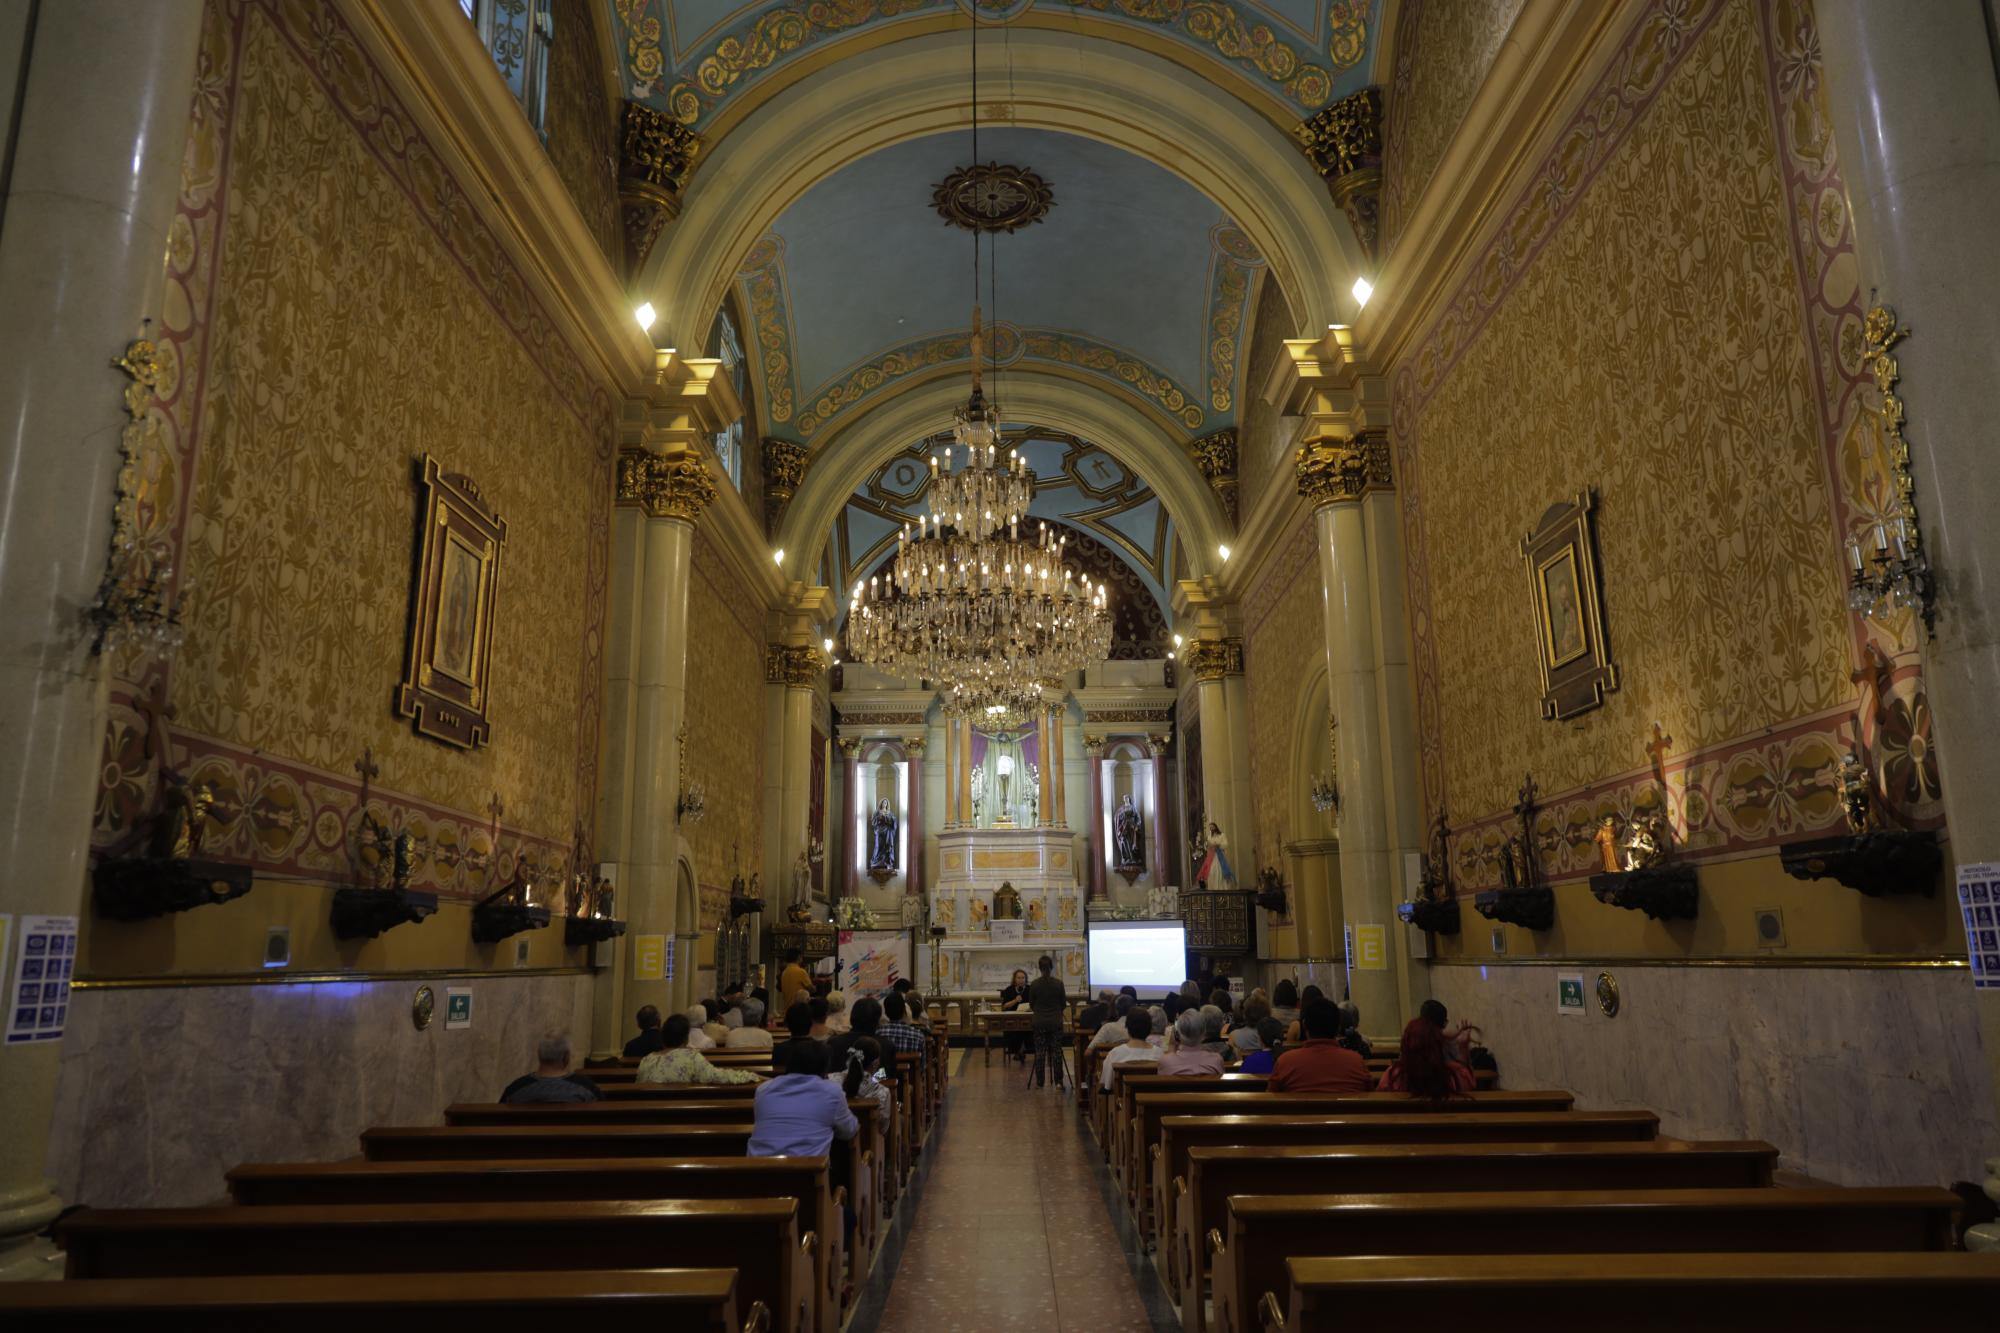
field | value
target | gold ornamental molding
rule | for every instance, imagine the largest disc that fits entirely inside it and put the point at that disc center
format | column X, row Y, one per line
column 656, row 156
column 784, row 471
column 993, row 198
column 1345, row 145
column 796, row 666
column 1215, row 455
column 1335, row 471
column 1213, row 659
column 665, row 486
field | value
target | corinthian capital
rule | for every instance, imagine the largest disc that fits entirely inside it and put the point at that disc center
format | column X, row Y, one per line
column 1333, row 471
column 1212, row 659
column 665, row 486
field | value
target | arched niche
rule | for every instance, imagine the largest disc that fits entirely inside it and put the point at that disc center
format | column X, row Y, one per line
column 1311, row 837
column 1128, row 768
column 882, row 773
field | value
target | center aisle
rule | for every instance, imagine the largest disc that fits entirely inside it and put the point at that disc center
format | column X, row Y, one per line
column 1011, row 1227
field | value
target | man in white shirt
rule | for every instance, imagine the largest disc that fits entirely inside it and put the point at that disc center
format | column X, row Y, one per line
column 1113, row 1032
column 751, row 1036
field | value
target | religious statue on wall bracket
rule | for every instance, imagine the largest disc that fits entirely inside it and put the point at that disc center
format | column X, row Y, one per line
column 452, row 598
column 1566, row 596
column 1128, row 856
column 882, row 858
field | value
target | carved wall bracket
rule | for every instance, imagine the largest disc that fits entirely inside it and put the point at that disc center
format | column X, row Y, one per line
column 784, row 470
column 1215, row 455
column 656, row 156
column 1212, row 659
column 1345, row 144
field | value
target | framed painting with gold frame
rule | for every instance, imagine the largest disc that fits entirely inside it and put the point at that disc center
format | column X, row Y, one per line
column 452, row 595
column 1577, row 670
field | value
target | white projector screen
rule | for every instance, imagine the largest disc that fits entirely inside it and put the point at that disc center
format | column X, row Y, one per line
column 1150, row 956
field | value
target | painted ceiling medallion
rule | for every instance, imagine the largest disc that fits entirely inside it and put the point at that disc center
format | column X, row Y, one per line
column 993, row 198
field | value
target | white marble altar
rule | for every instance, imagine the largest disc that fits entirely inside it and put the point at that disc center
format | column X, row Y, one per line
column 1041, row 865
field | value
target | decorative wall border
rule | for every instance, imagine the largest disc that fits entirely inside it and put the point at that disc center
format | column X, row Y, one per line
column 1763, row 763
column 765, row 296
column 325, row 43
column 1011, row 345
column 696, row 88
column 1233, row 260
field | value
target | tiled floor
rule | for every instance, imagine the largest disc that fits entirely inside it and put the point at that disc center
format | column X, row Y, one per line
column 1010, row 1225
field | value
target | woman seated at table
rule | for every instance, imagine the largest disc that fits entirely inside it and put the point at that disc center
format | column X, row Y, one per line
column 677, row 1062
column 1185, row 1053
column 1425, row 1068
column 1014, row 999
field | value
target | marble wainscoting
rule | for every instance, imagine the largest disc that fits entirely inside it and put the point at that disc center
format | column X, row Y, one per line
column 163, row 1090
column 1859, row 1076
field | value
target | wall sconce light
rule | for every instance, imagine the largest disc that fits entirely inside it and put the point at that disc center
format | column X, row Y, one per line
column 1325, row 795
column 644, row 314
column 1223, row 551
column 778, row 556
column 1363, row 289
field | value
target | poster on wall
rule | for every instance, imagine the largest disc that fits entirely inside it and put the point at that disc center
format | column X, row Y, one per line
column 871, row 961
column 1371, row 948
column 1979, row 904
column 38, row 993
column 649, row 957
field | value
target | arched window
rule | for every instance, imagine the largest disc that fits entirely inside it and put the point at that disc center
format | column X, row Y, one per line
column 517, row 34
column 727, row 346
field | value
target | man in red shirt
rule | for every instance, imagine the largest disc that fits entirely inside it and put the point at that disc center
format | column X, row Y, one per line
column 1320, row 1063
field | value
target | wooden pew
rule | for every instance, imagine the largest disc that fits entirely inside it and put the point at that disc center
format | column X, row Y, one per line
column 432, row 1143
column 695, row 1299
column 1214, row 1174
column 864, row 1151
column 1179, row 1133
column 803, row 1179
column 1266, row 1230
column 1149, row 1107
column 1648, row 1291
column 760, row 1238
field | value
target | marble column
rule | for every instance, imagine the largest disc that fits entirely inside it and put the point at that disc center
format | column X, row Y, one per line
column 1044, row 815
column 1330, row 475
column 1162, row 868
column 951, row 814
column 1099, row 841
column 1059, row 762
column 1224, row 758
column 965, row 818
column 95, row 176
column 854, row 836
column 913, row 819
column 1916, row 116
column 793, row 669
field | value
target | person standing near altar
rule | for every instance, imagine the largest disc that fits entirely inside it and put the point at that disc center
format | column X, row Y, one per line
column 1048, row 1001
column 1012, row 997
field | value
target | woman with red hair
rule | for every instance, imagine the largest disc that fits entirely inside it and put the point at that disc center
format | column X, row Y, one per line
column 1425, row 1067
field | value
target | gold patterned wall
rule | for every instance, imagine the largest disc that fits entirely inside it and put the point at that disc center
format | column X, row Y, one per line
column 581, row 124
column 725, row 712
column 1284, row 651
column 1261, row 443
column 335, row 308
column 1670, row 314
column 1443, row 50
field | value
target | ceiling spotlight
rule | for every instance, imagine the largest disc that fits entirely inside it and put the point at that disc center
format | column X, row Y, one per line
column 1363, row 289
column 778, row 556
column 1222, row 551
column 1177, row 640
column 645, row 315
column 827, row 644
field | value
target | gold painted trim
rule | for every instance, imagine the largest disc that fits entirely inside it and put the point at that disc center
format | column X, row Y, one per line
column 1828, row 961
column 315, row 978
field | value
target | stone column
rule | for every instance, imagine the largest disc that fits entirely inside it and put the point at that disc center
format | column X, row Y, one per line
column 853, row 823
column 792, row 669
column 913, row 818
column 96, row 174
column 950, row 771
column 1916, row 115
column 1044, row 779
column 1334, row 473
column 1214, row 662
column 965, row 771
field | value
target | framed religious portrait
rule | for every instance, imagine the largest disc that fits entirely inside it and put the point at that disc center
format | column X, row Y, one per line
column 455, row 579
column 1567, row 602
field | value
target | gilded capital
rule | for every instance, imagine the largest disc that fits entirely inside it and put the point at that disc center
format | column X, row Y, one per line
column 676, row 486
column 796, row 666
column 656, row 155
column 914, row 745
column 1212, row 659
column 1345, row 145
column 1333, row 471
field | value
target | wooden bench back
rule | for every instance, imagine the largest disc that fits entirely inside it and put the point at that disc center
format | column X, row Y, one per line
column 760, row 1238
column 416, row 1143
column 1649, row 1291
column 697, row 1300
column 1266, row 1230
